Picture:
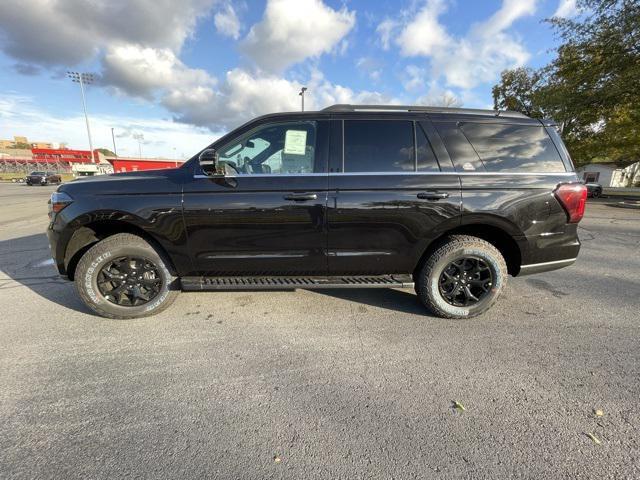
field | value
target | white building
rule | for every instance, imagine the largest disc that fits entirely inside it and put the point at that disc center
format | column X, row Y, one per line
column 597, row 173
column 628, row 176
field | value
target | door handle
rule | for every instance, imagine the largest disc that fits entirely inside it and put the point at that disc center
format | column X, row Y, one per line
column 300, row 197
column 432, row 195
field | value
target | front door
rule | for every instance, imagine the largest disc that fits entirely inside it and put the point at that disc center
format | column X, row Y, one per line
column 389, row 197
column 267, row 215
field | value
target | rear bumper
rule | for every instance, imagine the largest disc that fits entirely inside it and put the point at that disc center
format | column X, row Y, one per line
column 549, row 251
column 545, row 266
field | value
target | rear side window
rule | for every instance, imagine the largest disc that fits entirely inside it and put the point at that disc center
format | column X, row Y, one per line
column 426, row 159
column 378, row 146
column 513, row 148
column 460, row 150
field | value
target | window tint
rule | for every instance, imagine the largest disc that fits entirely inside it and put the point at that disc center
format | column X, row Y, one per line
column 514, row 148
column 378, row 146
column 460, row 150
column 282, row 148
column 426, row 158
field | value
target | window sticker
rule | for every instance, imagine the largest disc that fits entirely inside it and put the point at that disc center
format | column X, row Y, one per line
column 295, row 142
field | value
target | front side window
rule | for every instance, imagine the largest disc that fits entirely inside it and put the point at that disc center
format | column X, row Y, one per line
column 279, row 148
column 378, row 146
column 513, row 148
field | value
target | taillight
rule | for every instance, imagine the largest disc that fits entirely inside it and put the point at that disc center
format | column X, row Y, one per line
column 573, row 197
column 58, row 201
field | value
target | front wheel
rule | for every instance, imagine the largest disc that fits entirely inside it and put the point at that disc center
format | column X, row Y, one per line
column 463, row 277
column 124, row 277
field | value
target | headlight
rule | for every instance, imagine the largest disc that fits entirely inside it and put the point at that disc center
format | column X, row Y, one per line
column 58, row 201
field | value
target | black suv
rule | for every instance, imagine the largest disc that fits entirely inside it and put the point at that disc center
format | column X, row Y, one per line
column 450, row 201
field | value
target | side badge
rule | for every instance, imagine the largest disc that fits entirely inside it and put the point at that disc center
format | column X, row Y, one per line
column 468, row 166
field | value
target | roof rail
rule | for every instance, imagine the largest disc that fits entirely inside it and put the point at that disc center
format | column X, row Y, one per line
column 345, row 107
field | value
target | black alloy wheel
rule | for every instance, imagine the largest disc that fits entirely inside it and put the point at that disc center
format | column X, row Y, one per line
column 465, row 281
column 130, row 281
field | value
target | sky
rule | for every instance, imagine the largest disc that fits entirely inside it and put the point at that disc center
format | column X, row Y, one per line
column 172, row 76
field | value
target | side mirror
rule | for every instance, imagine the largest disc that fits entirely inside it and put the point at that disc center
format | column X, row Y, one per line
column 208, row 160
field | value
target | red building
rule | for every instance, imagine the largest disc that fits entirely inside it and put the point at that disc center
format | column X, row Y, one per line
column 127, row 164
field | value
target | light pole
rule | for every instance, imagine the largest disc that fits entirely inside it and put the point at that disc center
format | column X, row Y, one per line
column 113, row 137
column 82, row 79
column 139, row 137
column 302, row 90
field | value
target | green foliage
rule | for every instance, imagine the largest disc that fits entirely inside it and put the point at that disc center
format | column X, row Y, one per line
column 22, row 145
column 106, row 152
column 517, row 90
column 592, row 87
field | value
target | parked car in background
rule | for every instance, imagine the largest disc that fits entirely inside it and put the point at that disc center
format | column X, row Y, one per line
column 447, row 201
column 43, row 178
column 594, row 190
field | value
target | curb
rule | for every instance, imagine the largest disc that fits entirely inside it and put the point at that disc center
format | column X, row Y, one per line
column 635, row 205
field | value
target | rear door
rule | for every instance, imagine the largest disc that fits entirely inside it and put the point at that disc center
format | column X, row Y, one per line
column 267, row 216
column 389, row 197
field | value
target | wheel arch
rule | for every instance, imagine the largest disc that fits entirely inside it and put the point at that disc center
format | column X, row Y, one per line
column 496, row 235
column 88, row 235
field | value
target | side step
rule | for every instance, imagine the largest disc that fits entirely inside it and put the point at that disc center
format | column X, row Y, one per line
column 288, row 283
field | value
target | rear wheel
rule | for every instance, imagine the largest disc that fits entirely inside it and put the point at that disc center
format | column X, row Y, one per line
column 124, row 277
column 463, row 277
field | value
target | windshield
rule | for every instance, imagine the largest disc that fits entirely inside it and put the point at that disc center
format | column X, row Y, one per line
column 36, row 173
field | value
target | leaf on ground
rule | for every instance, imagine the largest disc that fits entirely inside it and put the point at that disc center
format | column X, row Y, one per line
column 458, row 406
column 277, row 459
column 598, row 413
column 593, row 437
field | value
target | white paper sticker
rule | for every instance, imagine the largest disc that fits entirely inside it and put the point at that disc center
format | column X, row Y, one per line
column 295, row 142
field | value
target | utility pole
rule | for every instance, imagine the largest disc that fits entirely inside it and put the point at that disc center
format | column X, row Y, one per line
column 113, row 137
column 302, row 90
column 82, row 79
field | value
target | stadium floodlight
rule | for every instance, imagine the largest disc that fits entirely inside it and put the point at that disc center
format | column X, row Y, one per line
column 84, row 79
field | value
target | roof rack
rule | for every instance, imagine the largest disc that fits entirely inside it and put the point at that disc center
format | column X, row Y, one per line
column 345, row 107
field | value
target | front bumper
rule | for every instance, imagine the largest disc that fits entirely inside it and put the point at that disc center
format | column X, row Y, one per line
column 56, row 248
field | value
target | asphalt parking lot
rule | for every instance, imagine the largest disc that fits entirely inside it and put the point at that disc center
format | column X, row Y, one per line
column 324, row 384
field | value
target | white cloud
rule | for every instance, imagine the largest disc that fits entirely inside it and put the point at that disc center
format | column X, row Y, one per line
column 143, row 70
column 227, row 22
column 241, row 97
column 566, row 9
column 473, row 59
column 73, row 31
column 371, row 66
column 19, row 115
column 293, row 30
column 413, row 78
column 385, row 31
column 424, row 35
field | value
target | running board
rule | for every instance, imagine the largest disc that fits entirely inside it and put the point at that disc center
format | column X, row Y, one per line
column 288, row 283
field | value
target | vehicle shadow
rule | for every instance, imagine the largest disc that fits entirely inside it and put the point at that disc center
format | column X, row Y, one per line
column 26, row 262
column 398, row 300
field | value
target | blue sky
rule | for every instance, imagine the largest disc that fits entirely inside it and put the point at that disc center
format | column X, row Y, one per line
column 182, row 73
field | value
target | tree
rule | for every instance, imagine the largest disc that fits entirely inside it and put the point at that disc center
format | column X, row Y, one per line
column 592, row 87
column 21, row 145
column 518, row 90
column 106, row 152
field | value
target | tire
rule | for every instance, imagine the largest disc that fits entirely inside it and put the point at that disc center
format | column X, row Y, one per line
column 110, row 251
column 596, row 193
column 429, row 280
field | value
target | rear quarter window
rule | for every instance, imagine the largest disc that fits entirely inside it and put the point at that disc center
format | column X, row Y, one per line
column 513, row 148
